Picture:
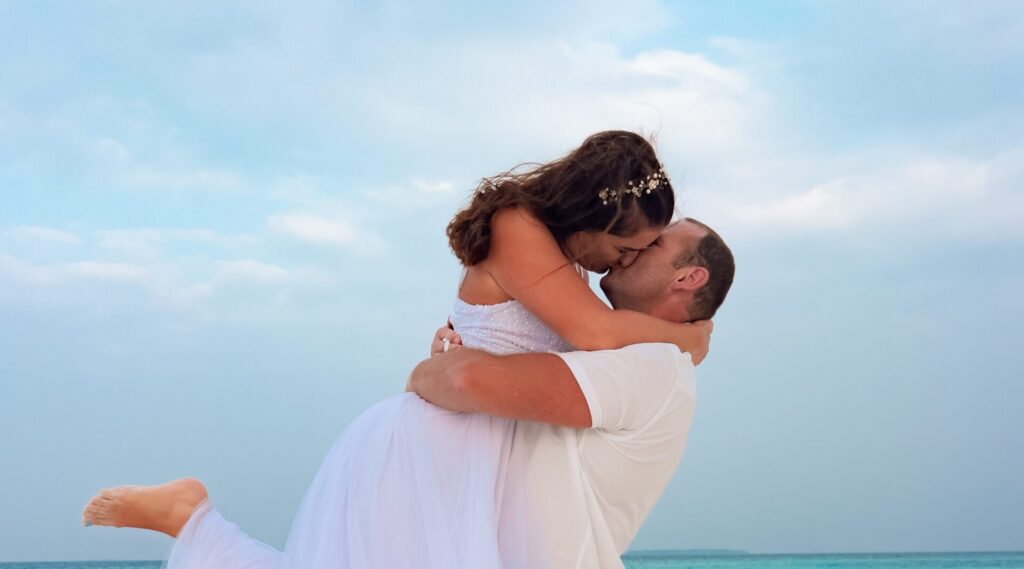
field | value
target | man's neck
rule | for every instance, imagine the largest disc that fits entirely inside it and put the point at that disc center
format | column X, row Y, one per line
column 672, row 308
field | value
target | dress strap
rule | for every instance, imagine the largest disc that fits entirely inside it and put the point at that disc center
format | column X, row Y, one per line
column 462, row 280
column 583, row 273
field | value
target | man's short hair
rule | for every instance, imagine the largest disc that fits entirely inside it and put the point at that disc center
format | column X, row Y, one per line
column 713, row 254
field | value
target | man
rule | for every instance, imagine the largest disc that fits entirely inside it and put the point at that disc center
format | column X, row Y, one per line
column 592, row 488
column 603, row 431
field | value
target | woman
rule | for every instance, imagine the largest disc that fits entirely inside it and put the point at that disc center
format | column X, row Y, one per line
column 408, row 484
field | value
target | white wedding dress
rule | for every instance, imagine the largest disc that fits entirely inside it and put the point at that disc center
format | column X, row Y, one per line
column 406, row 485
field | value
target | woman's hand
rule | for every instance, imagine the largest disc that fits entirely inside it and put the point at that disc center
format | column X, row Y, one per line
column 445, row 340
column 696, row 339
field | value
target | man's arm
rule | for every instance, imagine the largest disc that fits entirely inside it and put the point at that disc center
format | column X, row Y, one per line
column 534, row 387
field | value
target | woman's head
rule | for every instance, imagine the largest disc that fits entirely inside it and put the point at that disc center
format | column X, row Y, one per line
column 566, row 195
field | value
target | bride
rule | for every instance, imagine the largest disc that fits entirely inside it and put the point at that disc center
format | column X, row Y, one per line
column 408, row 484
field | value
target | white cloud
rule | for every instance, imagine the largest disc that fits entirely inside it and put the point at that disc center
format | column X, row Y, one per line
column 158, row 164
column 686, row 68
column 314, row 228
column 201, row 179
column 416, row 194
column 439, row 187
column 259, row 272
column 118, row 272
column 172, row 283
column 148, row 243
column 338, row 229
column 44, row 234
column 951, row 196
column 131, row 243
column 563, row 91
column 714, row 120
column 822, row 207
column 60, row 273
column 714, row 113
column 553, row 87
column 253, row 271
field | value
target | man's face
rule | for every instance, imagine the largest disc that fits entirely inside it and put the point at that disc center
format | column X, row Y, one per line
column 646, row 281
column 597, row 251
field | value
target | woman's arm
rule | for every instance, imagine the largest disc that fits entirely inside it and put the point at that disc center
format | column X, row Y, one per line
column 526, row 262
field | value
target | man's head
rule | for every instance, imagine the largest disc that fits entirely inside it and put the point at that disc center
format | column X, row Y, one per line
column 683, row 277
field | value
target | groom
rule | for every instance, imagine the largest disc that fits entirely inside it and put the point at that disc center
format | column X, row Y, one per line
column 602, row 431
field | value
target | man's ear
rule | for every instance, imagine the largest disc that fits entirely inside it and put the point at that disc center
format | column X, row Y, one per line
column 690, row 278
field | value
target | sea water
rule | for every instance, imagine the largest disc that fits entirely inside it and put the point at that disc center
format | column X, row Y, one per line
column 678, row 560
column 671, row 560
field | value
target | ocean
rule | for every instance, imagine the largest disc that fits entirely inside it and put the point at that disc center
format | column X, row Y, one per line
column 682, row 560
column 673, row 560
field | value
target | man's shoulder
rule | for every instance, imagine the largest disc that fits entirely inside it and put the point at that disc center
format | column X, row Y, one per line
column 661, row 350
column 625, row 387
column 653, row 358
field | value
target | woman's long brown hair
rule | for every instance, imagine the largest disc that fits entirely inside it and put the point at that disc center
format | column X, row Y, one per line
column 564, row 194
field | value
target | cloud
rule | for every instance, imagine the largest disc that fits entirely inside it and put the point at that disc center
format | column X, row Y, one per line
column 822, row 207
column 160, row 263
column 165, row 284
column 719, row 126
column 891, row 192
column 416, row 194
column 337, row 230
column 314, row 228
column 61, row 273
column 151, row 160
column 148, row 243
column 735, row 150
column 43, row 234
column 199, row 179
column 439, row 187
column 248, row 271
column 251, row 271
column 136, row 244
column 684, row 67
column 555, row 85
column 563, row 91
column 122, row 272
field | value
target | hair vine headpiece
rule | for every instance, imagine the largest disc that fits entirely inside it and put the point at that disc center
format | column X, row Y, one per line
column 642, row 186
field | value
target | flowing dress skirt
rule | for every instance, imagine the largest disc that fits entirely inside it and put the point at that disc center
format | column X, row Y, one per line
column 406, row 485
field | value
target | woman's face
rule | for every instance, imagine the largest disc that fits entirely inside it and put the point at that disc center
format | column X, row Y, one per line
column 598, row 251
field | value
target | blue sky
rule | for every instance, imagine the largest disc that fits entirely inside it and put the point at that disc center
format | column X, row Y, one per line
column 221, row 238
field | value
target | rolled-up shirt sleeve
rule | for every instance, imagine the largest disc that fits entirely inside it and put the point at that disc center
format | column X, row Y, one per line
column 624, row 388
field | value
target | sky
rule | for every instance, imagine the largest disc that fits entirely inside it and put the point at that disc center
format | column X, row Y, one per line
column 222, row 238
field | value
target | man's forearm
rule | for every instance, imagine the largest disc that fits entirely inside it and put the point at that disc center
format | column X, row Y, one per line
column 535, row 387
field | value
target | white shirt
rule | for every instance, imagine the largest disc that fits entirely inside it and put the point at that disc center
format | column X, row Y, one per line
column 594, row 487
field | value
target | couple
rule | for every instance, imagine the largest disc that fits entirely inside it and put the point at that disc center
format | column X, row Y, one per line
column 511, row 451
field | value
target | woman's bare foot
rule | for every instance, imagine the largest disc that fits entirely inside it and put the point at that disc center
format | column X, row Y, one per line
column 164, row 507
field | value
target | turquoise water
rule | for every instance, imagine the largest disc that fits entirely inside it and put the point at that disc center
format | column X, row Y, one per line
column 658, row 560
column 668, row 560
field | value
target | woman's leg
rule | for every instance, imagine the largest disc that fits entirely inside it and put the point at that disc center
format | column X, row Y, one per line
column 164, row 508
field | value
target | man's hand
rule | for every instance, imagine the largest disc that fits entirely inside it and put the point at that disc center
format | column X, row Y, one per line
column 698, row 339
column 445, row 339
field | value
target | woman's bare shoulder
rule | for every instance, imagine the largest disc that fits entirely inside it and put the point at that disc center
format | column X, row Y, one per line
column 522, row 250
column 518, row 222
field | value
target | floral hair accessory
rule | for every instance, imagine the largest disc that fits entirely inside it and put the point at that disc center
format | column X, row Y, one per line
column 642, row 186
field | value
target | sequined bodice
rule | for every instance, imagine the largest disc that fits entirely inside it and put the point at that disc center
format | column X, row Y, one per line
column 505, row 328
